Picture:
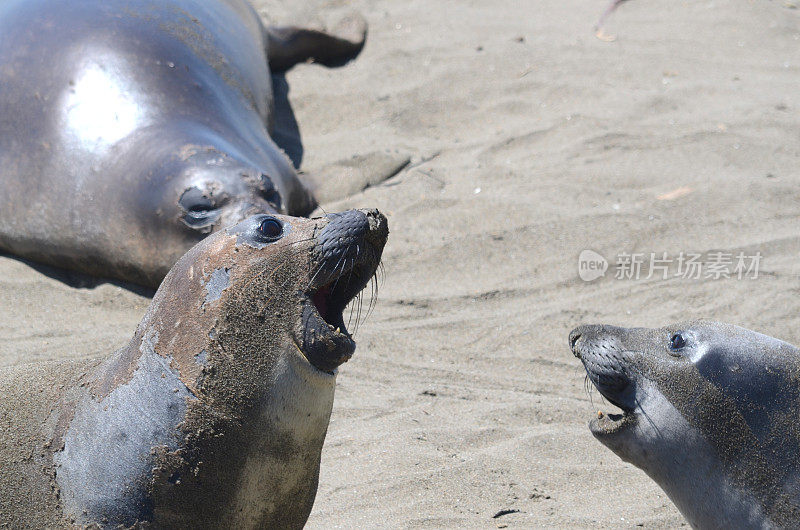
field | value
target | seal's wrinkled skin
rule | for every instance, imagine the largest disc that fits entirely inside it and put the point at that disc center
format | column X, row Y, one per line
column 130, row 130
column 215, row 413
column 709, row 411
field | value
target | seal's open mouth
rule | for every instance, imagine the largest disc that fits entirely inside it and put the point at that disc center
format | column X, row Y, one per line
column 606, row 370
column 606, row 423
column 347, row 256
column 327, row 341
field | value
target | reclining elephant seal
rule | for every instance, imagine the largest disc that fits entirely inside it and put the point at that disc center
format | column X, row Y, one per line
column 129, row 130
column 709, row 411
column 214, row 415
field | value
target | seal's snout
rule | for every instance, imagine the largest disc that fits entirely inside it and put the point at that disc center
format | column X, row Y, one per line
column 344, row 259
column 343, row 232
column 351, row 242
column 345, row 236
column 589, row 333
column 601, row 352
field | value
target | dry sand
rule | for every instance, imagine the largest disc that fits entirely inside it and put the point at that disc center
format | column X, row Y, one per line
column 530, row 140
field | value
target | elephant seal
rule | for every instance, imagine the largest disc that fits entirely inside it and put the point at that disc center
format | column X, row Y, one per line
column 130, row 130
column 214, row 415
column 709, row 411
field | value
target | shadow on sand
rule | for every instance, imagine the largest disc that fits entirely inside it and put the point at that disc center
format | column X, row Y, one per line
column 79, row 280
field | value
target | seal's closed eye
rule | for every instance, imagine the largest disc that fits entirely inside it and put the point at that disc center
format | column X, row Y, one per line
column 271, row 229
column 677, row 342
column 200, row 210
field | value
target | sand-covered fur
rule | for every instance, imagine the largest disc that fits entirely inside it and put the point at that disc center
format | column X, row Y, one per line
column 216, row 411
column 708, row 411
column 531, row 140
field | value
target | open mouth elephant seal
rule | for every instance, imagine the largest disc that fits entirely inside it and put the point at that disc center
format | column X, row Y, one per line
column 214, row 415
column 709, row 411
column 129, row 130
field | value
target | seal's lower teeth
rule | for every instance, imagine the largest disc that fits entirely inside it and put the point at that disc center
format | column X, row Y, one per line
column 338, row 330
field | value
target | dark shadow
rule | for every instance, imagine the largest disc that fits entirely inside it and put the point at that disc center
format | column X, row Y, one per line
column 78, row 280
column 287, row 132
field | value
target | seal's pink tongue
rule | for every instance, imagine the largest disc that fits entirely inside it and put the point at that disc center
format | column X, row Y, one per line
column 321, row 301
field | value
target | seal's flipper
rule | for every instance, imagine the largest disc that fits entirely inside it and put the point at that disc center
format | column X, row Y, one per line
column 289, row 45
column 353, row 175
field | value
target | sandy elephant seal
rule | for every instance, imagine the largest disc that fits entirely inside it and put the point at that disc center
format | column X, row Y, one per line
column 709, row 411
column 129, row 130
column 215, row 413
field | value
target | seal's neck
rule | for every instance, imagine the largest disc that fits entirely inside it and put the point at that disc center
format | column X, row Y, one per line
column 286, row 443
column 676, row 455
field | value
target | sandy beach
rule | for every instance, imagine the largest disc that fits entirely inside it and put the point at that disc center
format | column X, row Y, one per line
column 530, row 140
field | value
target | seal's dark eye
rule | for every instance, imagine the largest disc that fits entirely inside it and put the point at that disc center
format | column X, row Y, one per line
column 271, row 229
column 677, row 342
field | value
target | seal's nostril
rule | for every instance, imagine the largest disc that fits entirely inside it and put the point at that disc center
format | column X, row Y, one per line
column 573, row 339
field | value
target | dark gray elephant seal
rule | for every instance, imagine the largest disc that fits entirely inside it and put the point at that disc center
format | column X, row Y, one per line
column 709, row 411
column 215, row 413
column 129, row 130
